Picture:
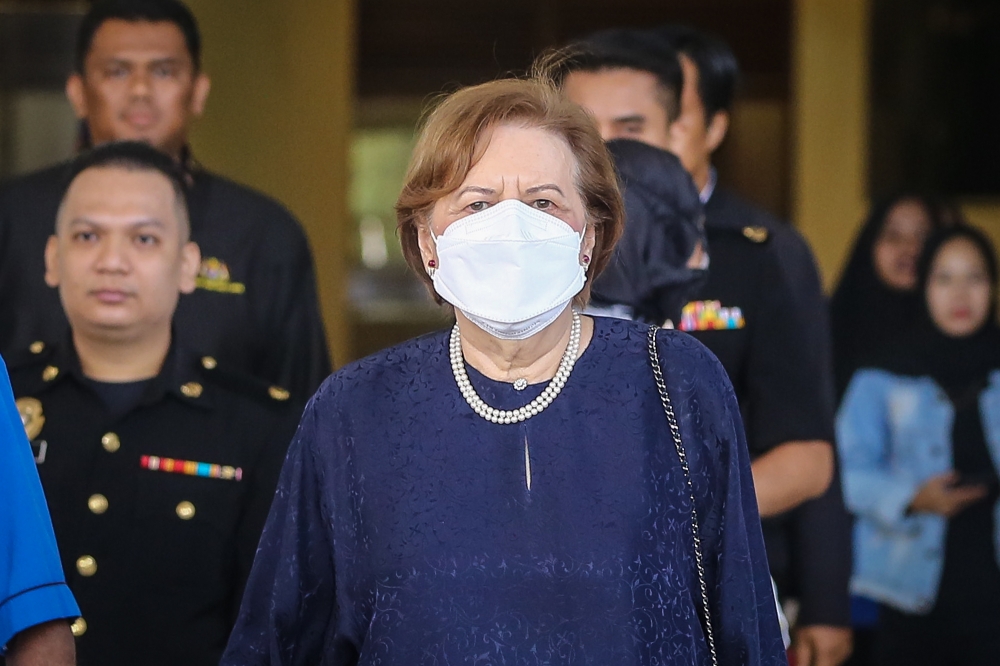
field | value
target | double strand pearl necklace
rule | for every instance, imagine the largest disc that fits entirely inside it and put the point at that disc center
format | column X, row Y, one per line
column 533, row 407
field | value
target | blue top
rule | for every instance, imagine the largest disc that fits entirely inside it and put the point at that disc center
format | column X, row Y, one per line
column 32, row 587
column 403, row 531
column 894, row 433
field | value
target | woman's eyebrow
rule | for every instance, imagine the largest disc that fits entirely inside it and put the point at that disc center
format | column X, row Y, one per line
column 477, row 189
column 541, row 188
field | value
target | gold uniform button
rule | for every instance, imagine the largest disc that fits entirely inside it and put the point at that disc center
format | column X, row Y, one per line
column 50, row 372
column 86, row 565
column 97, row 503
column 79, row 627
column 278, row 393
column 191, row 389
column 208, row 362
column 110, row 442
column 37, row 347
column 185, row 510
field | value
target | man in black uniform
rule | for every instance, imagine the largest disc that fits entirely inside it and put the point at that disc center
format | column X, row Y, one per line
column 158, row 464
column 255, row 304
column 767, row 326
column 810, row 548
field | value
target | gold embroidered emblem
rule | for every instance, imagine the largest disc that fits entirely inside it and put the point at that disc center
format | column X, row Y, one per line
column 214, row 276
column 755, row 234
column 32, row 417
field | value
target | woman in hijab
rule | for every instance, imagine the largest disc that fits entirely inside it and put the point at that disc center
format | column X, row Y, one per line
column 919, row 438
column 876, row 299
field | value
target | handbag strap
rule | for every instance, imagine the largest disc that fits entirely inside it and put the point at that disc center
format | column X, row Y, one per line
column 675, row 432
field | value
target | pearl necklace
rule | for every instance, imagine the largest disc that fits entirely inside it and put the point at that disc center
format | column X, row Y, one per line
column 533, row 407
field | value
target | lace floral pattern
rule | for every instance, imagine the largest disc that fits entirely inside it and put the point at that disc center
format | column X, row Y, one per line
column 403, row 531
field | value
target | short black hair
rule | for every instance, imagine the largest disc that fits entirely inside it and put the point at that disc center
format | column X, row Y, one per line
column 135, row 156
column 628, row 48
column 153, row 11
column 718, row 68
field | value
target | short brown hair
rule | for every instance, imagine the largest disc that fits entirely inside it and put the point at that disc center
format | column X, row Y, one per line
column 451, row 142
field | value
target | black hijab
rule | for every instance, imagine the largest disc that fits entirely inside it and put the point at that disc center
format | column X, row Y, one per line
column 865, row 313
column 958, row 365
column 664, row 222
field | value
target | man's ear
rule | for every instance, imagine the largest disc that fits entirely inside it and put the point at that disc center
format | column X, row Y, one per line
column 76, row 95
column 52, row 262
column 202, row 86
column 717, row 130
column 190, row 265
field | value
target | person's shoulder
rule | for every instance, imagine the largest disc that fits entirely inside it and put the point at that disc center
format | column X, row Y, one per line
column 36, row 183
column 240, row 391
column 243, row 199
column 387, row 370
column 755, row 223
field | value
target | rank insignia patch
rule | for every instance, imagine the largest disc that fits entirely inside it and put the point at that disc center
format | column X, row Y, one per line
column 214, row 276
column 710, row 316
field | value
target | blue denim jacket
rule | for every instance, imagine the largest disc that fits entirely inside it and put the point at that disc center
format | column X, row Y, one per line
column 894, row 433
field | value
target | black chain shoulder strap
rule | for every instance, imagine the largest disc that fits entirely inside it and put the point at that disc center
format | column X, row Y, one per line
column 675, row 432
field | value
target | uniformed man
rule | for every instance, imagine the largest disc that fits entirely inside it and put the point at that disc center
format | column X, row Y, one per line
column 36, row 606
column 158, row 464
column 763, row 314
column 255, row 308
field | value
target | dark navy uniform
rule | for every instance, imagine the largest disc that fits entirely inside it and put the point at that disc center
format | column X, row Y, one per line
column 255, row 308
column 158, row 498
column 763, row 313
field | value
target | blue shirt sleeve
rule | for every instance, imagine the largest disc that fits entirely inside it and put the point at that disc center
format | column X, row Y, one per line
column 32, row 586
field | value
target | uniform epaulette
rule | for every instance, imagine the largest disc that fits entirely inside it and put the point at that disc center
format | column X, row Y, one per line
column 242, row 383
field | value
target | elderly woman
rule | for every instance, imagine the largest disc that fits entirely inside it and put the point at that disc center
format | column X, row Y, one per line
column 519, row 489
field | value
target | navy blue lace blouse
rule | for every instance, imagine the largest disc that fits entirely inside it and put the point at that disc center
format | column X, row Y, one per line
column 403, row 531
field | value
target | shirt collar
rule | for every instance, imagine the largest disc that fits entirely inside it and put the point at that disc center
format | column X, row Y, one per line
column 709, row 189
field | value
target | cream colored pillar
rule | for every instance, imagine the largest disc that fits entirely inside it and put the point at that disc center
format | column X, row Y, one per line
column 279, row 119
column 830, row 125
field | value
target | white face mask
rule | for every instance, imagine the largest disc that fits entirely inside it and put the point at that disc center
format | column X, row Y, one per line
column 511, row 269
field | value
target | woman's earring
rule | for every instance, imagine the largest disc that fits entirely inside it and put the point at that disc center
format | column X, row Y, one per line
column 586, row 260
column 432, row 267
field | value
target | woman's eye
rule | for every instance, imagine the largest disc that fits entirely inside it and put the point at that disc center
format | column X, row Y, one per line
column 542, row 204
column 477, row 206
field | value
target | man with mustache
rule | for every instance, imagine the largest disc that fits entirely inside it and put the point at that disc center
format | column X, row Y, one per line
column 138, row 77
column 158, row 464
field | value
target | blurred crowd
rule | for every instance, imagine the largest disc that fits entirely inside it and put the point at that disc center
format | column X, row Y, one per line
column 160, row 327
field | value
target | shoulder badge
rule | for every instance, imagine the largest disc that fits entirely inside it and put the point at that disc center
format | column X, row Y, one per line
column 214, row 276
column 32, row 416
column 756, row 234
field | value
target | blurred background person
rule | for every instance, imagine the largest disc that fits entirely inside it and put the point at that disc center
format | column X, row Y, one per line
column 761, row 311
column 877, row 299
column 475, row 514
column 660, row 260
column 36, row 606
column 919, row 433
column 138, row 77
column 158, row 462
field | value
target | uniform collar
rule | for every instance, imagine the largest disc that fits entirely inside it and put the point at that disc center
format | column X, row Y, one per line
column 180, row 377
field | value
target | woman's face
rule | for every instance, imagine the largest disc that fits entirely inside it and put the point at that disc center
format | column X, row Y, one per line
column 898, row 247
column 531, row 165
column 959, row 291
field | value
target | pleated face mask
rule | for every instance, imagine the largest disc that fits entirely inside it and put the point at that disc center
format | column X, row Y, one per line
column 511, row 269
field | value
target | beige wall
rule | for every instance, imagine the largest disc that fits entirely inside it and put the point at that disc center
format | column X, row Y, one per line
column 830, row 131
column 830, row 125
column 279, row 118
